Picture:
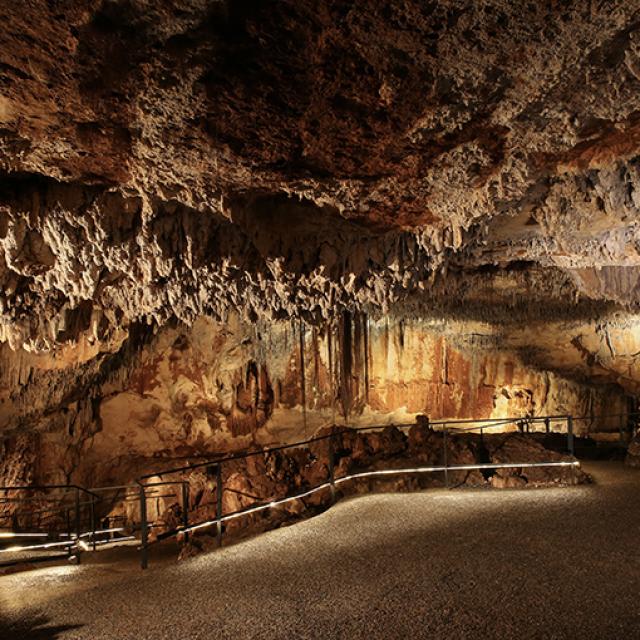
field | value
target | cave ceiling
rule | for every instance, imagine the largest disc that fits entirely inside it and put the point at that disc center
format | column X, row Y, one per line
column 167, row 159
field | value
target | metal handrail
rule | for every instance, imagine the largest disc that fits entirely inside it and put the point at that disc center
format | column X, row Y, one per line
column 332, row 481
column 73, row 545
column 347, row 429
column 142, row 485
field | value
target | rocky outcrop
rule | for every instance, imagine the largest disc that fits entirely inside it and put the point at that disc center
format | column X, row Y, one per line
column 214, row 387
column 269, row 477
column 232, row 223
column 265, row 476
column 281, row 159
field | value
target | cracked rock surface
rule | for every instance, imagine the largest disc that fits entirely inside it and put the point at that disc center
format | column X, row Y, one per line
column 171, row 159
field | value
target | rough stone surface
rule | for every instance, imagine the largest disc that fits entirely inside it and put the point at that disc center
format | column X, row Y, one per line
column 439, row 201
column 188, row 392
column 169, row 159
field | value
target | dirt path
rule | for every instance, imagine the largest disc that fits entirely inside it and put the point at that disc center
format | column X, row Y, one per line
column 548, row 563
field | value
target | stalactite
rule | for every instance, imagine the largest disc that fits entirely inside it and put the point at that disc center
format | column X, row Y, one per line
column 303, row 385
column 445, row 363
column 366, row 355
column 331, row 371
column 385, row 340
column 316, row 366
column 345, row 344
column 357, row 362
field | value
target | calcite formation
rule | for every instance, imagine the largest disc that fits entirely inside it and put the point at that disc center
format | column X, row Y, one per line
column 231, row 223
column 171, row 159
column 194, row 391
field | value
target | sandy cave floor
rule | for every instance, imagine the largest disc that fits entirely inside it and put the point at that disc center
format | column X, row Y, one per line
column 540, row 563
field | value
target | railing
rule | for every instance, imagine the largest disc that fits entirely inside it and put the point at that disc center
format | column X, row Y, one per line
column 58, row 526
column 67, row 521
column 79, row 531
column 331, row 482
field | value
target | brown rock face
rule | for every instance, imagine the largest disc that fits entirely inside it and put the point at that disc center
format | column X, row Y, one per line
column 196, row 391
column 177, row 158
column 270, row 476
column 233, row 222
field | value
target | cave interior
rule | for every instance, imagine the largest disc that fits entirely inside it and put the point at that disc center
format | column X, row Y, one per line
column 230, row 225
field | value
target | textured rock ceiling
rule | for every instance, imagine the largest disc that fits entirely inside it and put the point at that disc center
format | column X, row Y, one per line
column 167, row 158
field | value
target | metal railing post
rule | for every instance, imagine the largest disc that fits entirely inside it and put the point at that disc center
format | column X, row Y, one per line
column 570, row 445
column 93, row 521
column 78, row 525
column 446, row 470
column 144, row 531
column 68, row 519
column 185, row 510
column 219, row 502
column 332, row 479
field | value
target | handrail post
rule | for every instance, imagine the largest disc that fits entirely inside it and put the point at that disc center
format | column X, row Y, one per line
column 332, row 479
column 219, row 502
column 570, row 446
column 446, row 471
column 78, row 525
column 93, row 521
column 68, row 519
column 185, row 509
column 547, row 430
column 144, row 532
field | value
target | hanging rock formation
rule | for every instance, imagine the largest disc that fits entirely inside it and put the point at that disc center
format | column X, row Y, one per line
column 193, row 391
column 231, row 223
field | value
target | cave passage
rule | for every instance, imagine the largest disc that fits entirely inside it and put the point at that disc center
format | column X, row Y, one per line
column 323, row 311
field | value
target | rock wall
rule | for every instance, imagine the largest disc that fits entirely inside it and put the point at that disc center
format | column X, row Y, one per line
column 286, row 162
column 183, row 391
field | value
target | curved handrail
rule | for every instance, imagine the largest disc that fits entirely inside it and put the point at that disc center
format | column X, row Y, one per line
column 490, row 422
column 364, row 474
column 451, row 426
column 217, row 462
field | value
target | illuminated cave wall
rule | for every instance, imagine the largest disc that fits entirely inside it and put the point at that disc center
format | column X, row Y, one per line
column 182, row 391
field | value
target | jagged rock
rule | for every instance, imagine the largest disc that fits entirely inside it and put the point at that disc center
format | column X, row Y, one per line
column 501, row 481
column 227, row 224
column 244, row 488
column 199, row 391
column 329, row 170
column 520, row 448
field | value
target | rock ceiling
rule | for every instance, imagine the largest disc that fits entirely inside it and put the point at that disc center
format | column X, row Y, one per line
column 166, row 159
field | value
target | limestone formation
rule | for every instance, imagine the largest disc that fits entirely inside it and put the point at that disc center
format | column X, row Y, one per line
column 225, row 224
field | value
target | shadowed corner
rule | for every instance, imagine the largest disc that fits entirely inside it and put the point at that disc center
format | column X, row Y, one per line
column 36, row 627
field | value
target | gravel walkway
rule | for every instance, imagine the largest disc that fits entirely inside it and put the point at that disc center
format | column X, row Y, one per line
column 546, row 563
